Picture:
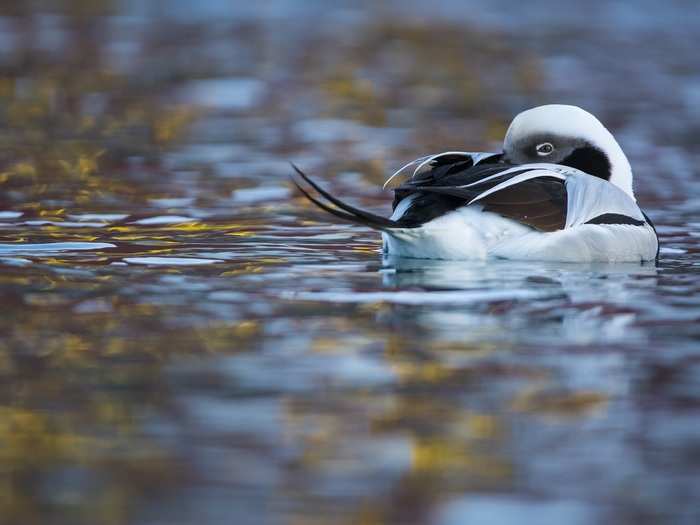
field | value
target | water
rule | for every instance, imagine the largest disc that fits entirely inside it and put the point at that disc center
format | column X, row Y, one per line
column 186, row 340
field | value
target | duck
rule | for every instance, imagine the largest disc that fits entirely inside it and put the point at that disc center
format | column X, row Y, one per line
column 560, row 190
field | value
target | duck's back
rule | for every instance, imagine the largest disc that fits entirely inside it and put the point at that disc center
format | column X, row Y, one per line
column 458, row 210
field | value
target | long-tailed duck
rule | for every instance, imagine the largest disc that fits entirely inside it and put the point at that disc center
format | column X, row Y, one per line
column 561, row 190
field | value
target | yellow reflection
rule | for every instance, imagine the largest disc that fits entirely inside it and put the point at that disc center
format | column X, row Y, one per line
column 560, row 404
column 440, row 456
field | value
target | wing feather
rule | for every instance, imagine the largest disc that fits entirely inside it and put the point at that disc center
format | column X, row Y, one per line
column 545, row 197
column 517, row 179
column 531, row 195
column 433, row 166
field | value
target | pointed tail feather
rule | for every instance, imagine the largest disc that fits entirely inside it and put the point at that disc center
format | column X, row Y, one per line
column 341, row 209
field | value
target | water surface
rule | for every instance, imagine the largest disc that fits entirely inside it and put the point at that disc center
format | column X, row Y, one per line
column 185, row 340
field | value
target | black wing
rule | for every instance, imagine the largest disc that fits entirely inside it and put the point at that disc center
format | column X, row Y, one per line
column 435, row 164
column 539, row 202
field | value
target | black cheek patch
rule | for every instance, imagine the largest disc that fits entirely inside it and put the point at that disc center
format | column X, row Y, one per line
column 590, row 160
column 615, row 218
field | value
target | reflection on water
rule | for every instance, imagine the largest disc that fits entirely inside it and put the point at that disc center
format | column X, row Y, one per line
column 184, row 340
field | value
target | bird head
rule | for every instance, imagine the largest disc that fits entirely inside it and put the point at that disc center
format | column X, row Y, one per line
column 570, row 136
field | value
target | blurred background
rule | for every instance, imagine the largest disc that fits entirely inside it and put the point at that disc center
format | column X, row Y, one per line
column 185, row 340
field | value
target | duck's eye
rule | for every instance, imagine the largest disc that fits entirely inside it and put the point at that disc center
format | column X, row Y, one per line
column 544, row 149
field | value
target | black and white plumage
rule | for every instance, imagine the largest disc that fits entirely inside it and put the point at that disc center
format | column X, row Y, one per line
column 560, row 190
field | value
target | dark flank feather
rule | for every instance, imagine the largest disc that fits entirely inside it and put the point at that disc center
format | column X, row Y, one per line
column 540, row 203
column 615, row 218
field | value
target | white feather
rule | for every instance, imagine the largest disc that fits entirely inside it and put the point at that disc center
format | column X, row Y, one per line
column 466, row 233
column 402, row 171
column 583, row 243
column 402, row 207
column 400, row 175
column 589, row 197
column 427, row 162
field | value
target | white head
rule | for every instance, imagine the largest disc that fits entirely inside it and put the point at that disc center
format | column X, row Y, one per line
column 567, row 135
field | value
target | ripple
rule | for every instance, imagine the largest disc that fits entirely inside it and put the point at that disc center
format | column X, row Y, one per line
column 232, row 93
column 165, row 219
column 172, row 202
column 106, row 217
column 504, row 510
column 14, row 261
column 170, row 261
column 418, row 298
column 260, row 194
column 66, row 224
column 51, row 247
column 10, row 214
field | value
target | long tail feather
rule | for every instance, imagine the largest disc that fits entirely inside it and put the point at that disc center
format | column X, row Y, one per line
column 339, row 208
column 325, row 207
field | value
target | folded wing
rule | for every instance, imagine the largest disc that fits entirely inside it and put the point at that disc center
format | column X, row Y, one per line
column 534, row 197
column 545, row 197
